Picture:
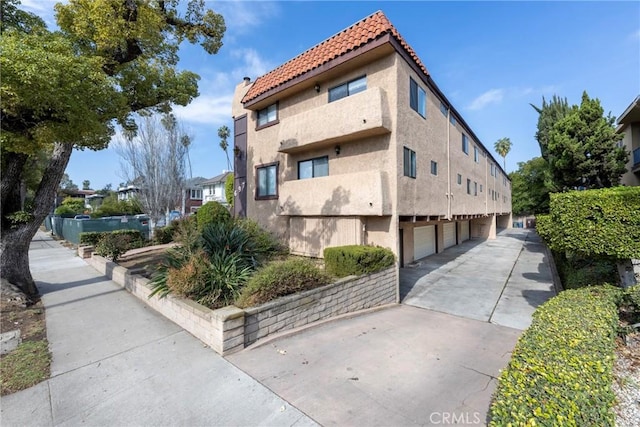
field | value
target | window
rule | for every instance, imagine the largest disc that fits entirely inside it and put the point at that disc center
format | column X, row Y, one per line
column 443, row 109
column 492, row 170
column 409, row 163
column 417, row 98
column 267, row 181
column 465, row 144
column 196, row 194
column 475, row 188
column 468, row 186
column 481, row 188
column 459, row 179
column 504, row 181
column 313, row 168
column 434, row 168
column 268, row 115
column 347, row 89
column 476, row 154
column 452, row 119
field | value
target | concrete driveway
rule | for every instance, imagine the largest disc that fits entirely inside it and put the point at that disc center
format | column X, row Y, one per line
column 432, row 360
column 501, row 281
column 399, row 366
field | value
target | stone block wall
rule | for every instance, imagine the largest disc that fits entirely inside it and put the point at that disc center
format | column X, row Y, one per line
column 230, row 329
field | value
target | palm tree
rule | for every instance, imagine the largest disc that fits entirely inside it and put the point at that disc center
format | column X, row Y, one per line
column 502, row 147
column 223, row 133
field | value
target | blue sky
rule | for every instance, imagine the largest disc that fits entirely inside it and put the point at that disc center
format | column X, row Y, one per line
column 491, row 59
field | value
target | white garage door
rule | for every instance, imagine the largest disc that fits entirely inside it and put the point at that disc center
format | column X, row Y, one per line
column 464, row 235
column 449, row 234
column 424, row 241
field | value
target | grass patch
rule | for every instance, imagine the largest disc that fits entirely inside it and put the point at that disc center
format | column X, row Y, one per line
column 25, row 366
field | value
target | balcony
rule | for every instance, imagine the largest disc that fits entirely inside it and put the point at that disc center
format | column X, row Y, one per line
column 354, row 117
column 353, row 194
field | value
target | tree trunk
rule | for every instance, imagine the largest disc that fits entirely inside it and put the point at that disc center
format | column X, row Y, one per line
column 14, row 244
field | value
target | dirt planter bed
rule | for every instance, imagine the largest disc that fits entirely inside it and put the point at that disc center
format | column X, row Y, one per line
column 230, row 329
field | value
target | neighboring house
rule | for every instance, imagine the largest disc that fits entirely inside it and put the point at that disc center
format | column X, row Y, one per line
column 629, row 124
column 93, row 201
column 192, row 196
column 213, row 189
column 352, row 142
column 78, row 194
column 128, row 192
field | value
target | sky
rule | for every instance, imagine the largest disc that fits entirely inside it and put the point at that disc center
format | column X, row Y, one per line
column 490, row 59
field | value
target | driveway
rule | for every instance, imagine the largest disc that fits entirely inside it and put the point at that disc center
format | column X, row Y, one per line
column 398, row 366
column 432, row 360
column 500, row 281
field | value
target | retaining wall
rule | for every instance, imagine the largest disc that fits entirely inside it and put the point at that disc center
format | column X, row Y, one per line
column 230, row 329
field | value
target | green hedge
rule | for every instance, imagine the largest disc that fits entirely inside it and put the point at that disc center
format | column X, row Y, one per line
column 594, row 222
column 92, row 238
column 560, row 372
column 281, row 278
column 357, row 260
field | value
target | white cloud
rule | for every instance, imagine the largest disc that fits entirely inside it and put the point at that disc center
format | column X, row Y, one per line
column 252, row 64
column 242, row 16
column 491, row 96
column 206, row 109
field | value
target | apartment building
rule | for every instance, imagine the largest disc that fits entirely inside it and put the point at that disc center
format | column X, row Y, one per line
column 352, row 142
column 629, row 124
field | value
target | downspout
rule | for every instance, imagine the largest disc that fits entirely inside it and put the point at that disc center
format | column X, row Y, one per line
column 449, row 196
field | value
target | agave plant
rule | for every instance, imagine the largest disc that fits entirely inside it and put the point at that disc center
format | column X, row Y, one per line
column 228, row 238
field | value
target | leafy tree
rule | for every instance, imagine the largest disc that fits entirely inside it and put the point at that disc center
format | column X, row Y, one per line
column 67, row 184
column 530, row 187
column 583, row 149
column 105, row 191
column 71, row 205
column 502, row 147
column 549, row 113
column 86, row 184
column 121, row 56
column 223, row 133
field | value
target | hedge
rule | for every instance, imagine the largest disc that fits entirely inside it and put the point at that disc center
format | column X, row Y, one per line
column 281, row 278
column 357, row 260
column 594, row 222
column 561, row 369
column 92, row 238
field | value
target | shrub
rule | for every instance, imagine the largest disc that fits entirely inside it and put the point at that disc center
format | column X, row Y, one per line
column 264, row 243
column 212, row 213
column 226, row 237
column 281, row 278
column 66, row 211
column 214, row 282
column 594, row 222
column 113, row 244
column 560, row 372
column 186, row 233
column 357, row 260
column 228, row 189
column 576, row 271
column 92, row 237
column 163, row 235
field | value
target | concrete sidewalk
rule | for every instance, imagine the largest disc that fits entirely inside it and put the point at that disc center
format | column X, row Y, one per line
column 118, row 362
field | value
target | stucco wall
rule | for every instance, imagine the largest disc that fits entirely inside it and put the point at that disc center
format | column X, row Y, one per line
column 631, row 134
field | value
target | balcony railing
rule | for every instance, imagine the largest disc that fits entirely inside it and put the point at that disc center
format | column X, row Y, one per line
column 354, row 117
column 354, row 194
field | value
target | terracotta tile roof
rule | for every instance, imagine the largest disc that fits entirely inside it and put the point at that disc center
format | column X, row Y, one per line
column 359, row 34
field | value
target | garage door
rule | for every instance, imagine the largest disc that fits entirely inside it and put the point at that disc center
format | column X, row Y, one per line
column 464, row 226
column 424, row 241
column 449, row 234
